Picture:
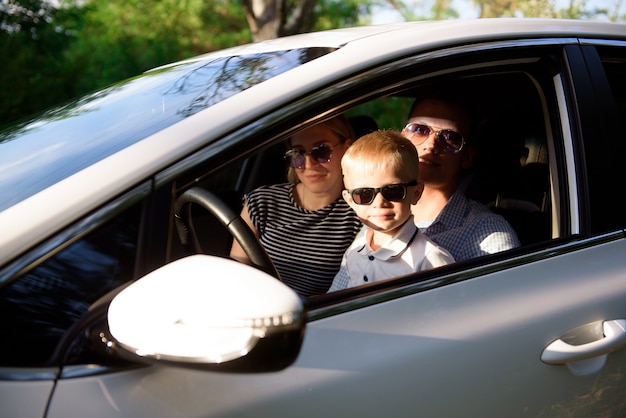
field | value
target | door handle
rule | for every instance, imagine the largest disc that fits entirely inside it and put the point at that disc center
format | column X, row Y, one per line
column 561, row 352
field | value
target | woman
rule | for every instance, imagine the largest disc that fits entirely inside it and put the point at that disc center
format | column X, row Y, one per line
column 305, row 225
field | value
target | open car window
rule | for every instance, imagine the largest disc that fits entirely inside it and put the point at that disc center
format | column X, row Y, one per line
column 517, row 139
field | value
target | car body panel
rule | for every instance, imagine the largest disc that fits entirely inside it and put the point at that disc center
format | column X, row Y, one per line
column 25, row 399
column 390, row 356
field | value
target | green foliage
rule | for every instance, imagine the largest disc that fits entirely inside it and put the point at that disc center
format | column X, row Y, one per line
column 32, row 39
column 516, row 8
column 53, row 54
column 442, row 9
column 122, row 38
column 388, row 112
column 332, row 14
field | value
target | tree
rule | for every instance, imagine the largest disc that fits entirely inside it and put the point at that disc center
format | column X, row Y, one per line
column 122, row 38
column 443, row 10
column 32, row 40
column 52, row 52
column 517, row 8
column 576, row 9
column 270, row 19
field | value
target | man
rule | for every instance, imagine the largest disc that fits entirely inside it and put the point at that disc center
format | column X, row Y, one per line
column 440, row 130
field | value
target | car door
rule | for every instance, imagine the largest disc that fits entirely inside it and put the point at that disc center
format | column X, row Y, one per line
column 472, row 347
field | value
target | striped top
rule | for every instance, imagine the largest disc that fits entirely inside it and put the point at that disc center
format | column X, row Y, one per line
column 306, row 246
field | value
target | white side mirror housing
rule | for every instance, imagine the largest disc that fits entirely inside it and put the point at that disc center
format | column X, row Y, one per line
column 209, row 311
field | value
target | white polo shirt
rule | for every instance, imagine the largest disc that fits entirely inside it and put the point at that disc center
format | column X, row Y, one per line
column 408, row 251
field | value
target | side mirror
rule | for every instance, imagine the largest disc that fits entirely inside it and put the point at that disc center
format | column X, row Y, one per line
column 208, row 312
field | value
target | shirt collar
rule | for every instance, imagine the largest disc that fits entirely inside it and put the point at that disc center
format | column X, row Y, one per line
column 395, row 245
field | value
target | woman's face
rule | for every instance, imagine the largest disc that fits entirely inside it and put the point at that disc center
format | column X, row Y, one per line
column 320, row 177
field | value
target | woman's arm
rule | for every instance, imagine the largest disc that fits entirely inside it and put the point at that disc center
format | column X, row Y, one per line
column 236, row 252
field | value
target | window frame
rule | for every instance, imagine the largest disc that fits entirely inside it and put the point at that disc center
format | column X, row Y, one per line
column 386, row 78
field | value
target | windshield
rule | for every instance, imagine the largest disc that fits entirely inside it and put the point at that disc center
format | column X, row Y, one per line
column 64, row 140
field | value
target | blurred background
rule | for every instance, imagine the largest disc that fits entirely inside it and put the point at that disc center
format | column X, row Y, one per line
column 55, row 50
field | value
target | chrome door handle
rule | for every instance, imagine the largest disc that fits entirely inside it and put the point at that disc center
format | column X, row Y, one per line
column 560, row 352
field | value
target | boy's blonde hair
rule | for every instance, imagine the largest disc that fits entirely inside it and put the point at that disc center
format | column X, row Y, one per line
column 382, row 150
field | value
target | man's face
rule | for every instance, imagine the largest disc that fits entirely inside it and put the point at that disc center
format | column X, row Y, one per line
column 437, row 168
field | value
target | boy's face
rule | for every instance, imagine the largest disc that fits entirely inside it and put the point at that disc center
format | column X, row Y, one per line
column 382, row 215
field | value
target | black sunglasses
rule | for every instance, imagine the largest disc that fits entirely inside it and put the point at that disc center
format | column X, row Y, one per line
column 390, row 192
column 321, row 153
column 451, row 141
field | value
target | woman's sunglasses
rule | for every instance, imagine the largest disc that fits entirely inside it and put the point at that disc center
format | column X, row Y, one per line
column 321, row 153
column 450, row 141
column 390, row 192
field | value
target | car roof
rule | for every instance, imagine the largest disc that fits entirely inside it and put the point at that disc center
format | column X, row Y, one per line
column 440, row 31
column 23, row 221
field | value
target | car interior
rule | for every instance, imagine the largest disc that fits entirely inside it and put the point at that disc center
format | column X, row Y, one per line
column 511, row 174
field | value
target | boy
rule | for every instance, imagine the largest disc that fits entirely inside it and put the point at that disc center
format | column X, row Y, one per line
column 380, row 175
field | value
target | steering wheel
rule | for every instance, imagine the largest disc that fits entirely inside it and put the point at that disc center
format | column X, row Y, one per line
column 235, row 225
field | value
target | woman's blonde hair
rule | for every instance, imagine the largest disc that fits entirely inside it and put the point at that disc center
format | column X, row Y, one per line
column 382, row 150
column 340, row 126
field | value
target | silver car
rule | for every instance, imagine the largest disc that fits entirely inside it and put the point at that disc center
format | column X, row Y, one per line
column 108, row 308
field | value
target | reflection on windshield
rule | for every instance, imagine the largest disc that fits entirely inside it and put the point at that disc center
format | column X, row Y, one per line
column 62, row 141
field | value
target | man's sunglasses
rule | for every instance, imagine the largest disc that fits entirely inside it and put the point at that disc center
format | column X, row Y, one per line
column 390, row 192
column 321, row 153
column 450, row 141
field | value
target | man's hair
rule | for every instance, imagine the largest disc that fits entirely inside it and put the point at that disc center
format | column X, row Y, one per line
column 382, row 150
